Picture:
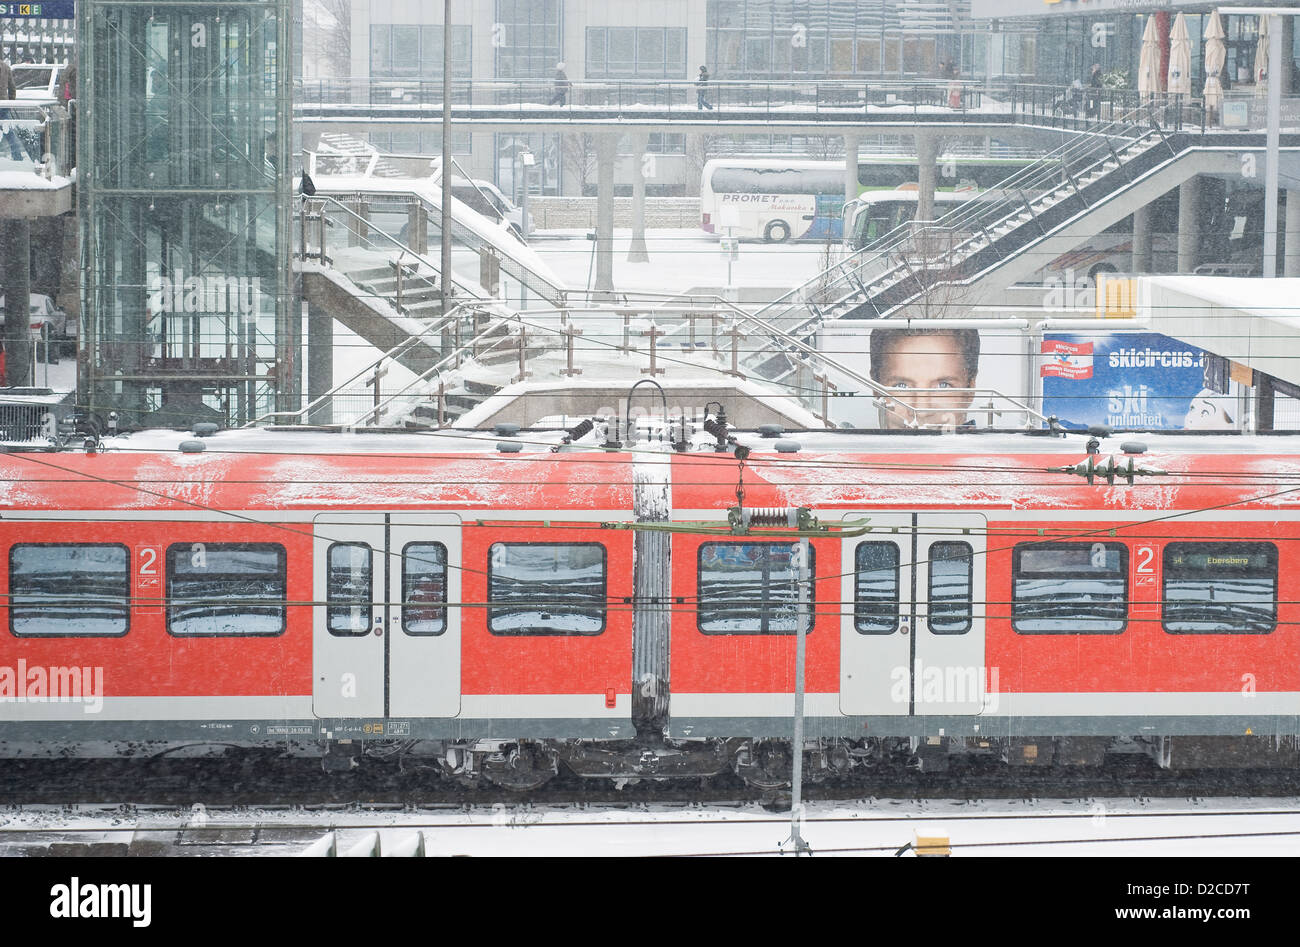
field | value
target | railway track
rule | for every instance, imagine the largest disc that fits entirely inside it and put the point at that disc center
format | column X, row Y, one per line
column 250, row 780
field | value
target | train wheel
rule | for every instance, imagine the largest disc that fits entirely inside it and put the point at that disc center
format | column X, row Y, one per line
column 521, row 769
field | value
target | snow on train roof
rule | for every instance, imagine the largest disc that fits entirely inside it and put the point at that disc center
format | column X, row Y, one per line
column 288, row 469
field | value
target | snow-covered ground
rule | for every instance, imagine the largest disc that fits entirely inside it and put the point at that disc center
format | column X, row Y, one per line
column 680, row 260
column 876, row 827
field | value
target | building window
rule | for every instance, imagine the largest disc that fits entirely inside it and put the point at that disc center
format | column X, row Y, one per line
column 530, row 38
column 68, row 590
column 875, row 599
column 751, row 589
column 1220, row 588
column 219, row 589
column 650, row 53
column 665, row 143
column 424, row 588
column 546, row 589
column 951, row 569
column 400, row 51
column 349, row 589
column 1069, row 588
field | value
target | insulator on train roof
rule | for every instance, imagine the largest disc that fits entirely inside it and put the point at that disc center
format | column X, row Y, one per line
column 205, row 429
column 787, row 447
column 716, row 426
column 770, row 430
column 681, row 434
column 509, row 447
column 579, row 431
column 505, row 430
column 192, row 447
column 1133, row 447
column 1100, row 430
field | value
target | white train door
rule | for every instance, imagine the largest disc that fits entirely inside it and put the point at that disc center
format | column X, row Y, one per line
column 350, row 571
column 912, row 636
column 424, row 626
column 386, row 634
column 876, row 627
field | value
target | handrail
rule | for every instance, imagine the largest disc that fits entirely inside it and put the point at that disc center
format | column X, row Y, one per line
column 521, row 272
column 321, row 199
column 438, row 368
column 409, row 342
column 975, row 214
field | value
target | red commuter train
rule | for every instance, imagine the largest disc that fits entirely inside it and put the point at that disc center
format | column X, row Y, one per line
column 507, row 614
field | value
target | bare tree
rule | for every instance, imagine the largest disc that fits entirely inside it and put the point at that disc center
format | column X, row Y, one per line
column 329, row 22
column 579, row 151
column 699, row 149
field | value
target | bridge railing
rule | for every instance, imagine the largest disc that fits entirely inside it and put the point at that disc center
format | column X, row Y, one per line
column 833, row 96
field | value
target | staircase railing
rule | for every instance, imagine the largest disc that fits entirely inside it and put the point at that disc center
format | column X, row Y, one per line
column 858, row 272
column 315, row 222
column 430, row 336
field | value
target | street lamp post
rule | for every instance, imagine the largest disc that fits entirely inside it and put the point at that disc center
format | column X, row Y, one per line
column 526, row 162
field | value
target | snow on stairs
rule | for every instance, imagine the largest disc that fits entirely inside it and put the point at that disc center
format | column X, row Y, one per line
column 421, row 297
column 496, row 356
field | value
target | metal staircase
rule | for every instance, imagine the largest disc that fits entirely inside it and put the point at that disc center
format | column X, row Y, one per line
column 980, row 235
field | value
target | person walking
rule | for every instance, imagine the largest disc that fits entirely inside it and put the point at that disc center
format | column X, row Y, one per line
column 1094, row 91
column 561, row 90
column 701, row 87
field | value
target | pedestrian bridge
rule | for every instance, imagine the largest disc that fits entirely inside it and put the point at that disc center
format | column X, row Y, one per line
column 949, row 107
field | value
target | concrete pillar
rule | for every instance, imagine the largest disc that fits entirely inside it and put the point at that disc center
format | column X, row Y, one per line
column 15, row 250
column 1291, row 237
column 320, row 362
column 1142, row 240
column 358, row 226
column 637, row 253
column 851, row 143
column 417, row 227
column 606, row 155
column 927, row 155
column 1189, row 224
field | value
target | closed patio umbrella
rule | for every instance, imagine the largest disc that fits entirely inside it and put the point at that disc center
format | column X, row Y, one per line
column 1180, row 58
column 1149, row 61
column 1215, row 56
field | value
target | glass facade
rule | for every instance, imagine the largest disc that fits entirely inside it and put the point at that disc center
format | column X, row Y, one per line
column 783, row 38
column 185, row 133
column 531, row 46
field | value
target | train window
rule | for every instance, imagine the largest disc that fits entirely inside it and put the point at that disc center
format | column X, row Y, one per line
column 875, row 604
column 68, row 590
column 349, row 589
column 1069, row 588
column 750, row 588
column 949, row 593
column 220, row 589
column 424, row 588
column 546, row 589
column 1220, row 588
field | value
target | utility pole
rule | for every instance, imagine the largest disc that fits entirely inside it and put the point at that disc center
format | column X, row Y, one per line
column 444, row 280
column 803, row 618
